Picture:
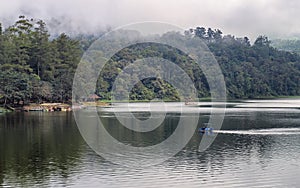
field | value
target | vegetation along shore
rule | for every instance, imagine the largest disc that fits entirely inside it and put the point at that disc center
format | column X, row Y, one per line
column 38, row 68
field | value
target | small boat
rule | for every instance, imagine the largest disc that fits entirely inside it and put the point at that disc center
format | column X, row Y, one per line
column 206, row 130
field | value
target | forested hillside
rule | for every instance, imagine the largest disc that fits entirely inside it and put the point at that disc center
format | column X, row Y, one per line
column 257, row 70
column 250, row 71
column 35, row 67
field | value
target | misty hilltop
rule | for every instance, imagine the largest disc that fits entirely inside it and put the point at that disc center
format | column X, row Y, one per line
column 276, row 19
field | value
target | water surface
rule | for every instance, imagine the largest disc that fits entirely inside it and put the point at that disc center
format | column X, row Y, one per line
column 258, row 146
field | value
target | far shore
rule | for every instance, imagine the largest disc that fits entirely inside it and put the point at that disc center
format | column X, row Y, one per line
column 104, row 103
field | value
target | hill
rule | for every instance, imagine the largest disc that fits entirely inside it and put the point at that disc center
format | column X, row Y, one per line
column 35, row 67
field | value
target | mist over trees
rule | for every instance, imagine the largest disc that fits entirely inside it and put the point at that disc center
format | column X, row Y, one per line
column 250, row 71
column 37, row 68
column 253, row 71
column 290, row 45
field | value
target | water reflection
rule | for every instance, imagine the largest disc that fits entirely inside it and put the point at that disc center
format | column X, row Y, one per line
column 46, row 150
column 36, row 146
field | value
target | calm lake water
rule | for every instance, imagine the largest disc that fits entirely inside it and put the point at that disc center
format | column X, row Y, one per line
column 258, row 146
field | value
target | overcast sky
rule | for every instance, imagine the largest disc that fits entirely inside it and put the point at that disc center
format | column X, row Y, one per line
column 275, row 18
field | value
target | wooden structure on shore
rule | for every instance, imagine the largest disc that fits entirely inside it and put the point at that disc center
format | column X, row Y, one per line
column 48, row 107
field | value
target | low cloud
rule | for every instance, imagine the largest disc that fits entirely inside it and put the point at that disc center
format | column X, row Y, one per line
column 275, row 18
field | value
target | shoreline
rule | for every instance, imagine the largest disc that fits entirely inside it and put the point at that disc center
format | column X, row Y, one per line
column 48, row 107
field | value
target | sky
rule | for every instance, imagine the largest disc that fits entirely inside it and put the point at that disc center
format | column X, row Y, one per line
column 274, row 18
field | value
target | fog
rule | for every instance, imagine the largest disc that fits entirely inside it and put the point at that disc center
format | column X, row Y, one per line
column 274, row 18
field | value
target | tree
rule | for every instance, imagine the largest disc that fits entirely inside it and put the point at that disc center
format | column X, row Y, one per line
column 41, row 91
column 247, row 41
column 218, row 34
column 67, row 57
column 20, row 35
column 210, row 34
column 16, row 86
column 0, row 29
column 40, row 49
column 200, row 32
column 262, row 41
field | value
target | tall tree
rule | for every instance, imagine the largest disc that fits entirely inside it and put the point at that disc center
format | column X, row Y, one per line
column 40, row 51
column 0, row 29
column 68, row 56
column 210, row 34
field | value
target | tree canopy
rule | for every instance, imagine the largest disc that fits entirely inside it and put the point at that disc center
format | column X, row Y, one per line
column 36, row 67
column 33, row 67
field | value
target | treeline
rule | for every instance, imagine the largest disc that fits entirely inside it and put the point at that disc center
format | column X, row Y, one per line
column 250, row 70
column 34, row 67
column 253, row 71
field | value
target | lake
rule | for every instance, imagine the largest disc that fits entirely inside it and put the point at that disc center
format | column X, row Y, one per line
column 258, row 146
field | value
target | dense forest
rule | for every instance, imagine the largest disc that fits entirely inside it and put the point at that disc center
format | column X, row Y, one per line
column 250, row 71
column 36, row 67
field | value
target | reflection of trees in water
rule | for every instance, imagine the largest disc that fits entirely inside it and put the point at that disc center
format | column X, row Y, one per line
column 228, row 154
column 228, row 151
column 34, row 146
column 234, row 150
column 141, row 139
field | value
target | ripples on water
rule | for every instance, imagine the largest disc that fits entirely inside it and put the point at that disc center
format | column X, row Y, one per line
column 258, row 146
column 272, row 131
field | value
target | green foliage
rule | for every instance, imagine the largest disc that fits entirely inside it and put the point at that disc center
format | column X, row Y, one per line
column 250, row 71
column 35, row 68
column 150, row 88
column 256, row 71
column 16, row 86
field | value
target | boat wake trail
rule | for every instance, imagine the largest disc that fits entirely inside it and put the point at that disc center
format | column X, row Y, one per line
column 271, row 131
